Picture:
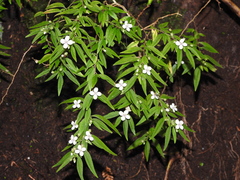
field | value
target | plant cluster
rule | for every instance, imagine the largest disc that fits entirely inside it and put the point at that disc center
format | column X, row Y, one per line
column 83, row 40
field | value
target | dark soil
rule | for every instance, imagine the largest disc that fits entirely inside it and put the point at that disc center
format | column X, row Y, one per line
column 31, row 121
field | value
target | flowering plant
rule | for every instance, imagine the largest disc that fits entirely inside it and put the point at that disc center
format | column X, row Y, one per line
column 84, row 40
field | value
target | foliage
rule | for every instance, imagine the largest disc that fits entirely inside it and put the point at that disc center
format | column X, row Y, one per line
column 82, row 42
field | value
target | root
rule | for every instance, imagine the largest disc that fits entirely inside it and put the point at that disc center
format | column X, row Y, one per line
column 192, row 20
column 14, row 75
column 232, row 6
column 171, row 161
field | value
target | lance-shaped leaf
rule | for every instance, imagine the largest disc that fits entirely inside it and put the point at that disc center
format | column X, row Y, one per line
column 196, row 77
column 167, row 138
column 80, row 168
column 98, row 142
column 89, row 162
column 147, row 150
column 106, row 121
column 64, row 161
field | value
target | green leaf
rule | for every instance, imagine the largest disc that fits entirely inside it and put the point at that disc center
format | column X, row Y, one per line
column 164, row 96
column 85, row 48
column 167, row 47
column 167, row 138
column 89, row 162
column 110, row 52
column 157, row 128
column 92, row 78
column 114, row 93
column 187, row 128
column 110, row 35
column 125, row 129
column 72, row 77
column 106, row 121
column 80, row 52
column 131, row 50
column 147, row 150
column 157, row 77
column 137, row 142
column 68, row 11
column 126, row 60
column 98, row 142
column 183, row 135
column 130, row 83
column 2, row 67
column 87, row 101
column 105, row 100
column 106, row 78
column 156, row 51
column 131, row 125
column 55, row 5
column 45, row 58
column 4, row 47
column 80, row 168
column 111, row 115
column 39, row 34
column 64, row 161
column 49, row 11
column 40, row 13
column 190, row 58
column 179, row 57
column 56, row 53
column 174, row 135
column 44, row 72
column 126, row 72
column 208, row 47
column 73, row 53
column 132, row 97
column 158, row 147
column 213, row 61
column 151, row 83
column 19, row 3
column 196, row 78
column 60, row 84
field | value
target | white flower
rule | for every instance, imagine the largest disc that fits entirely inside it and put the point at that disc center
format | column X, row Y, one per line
column 173, row 107
column 124, row 115
column 121, row 84
column 74, row 125
column 128, row 109
column 127, row 26
column 76, row 104
column 88, row 136
column 67, row 42
column 154, row 95
column 179, row 124
column 147, row 69
column 181, row 43
column 74, row 160
column 95, row 93
column 167, row 109
column 73, row 140
column 80, row 150
column 182, row 62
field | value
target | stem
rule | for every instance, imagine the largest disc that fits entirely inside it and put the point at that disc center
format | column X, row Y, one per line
column 233, row 6
column 14, row 75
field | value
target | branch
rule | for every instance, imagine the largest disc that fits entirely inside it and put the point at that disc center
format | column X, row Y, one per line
column 195, row 17
column 233, row 6
column 14, row 75
column 155, row 22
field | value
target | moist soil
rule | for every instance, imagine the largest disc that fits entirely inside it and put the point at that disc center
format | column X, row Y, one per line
column 32, row 122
